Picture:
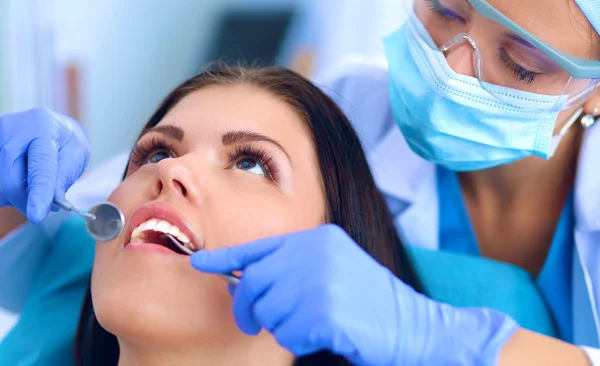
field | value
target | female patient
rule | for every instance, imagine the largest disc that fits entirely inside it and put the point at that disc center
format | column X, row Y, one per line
column 232, row 155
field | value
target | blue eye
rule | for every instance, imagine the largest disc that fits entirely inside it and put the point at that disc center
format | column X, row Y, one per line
column 250, row 165
column 153, row 151
column 157, row 156
column 254, row 160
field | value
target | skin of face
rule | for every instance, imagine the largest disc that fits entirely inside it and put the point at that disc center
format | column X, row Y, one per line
column 157, row 303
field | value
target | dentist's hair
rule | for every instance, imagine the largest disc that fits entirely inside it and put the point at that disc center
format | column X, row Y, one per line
column 353, row 201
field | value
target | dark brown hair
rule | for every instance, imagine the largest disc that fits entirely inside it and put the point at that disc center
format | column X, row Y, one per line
column 353, row 200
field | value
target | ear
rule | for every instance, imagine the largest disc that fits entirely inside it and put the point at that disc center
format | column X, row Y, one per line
column 592, row 104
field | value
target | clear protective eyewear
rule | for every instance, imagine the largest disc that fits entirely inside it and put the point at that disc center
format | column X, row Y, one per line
column 505, row 54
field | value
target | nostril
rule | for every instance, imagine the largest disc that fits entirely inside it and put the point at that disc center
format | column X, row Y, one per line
column 181, row 187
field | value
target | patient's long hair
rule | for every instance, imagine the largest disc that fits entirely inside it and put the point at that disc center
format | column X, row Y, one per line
column 353, row 200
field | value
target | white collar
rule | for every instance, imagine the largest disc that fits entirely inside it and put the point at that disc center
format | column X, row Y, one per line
column 587, row 182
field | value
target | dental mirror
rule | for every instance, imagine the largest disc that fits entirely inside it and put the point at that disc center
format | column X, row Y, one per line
column 104, row 221
column 108, row 223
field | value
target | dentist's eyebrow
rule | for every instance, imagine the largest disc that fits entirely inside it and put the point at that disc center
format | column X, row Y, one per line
column 239, row 137
column 168, row 130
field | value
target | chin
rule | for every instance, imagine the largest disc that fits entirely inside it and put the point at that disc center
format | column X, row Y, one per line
column 161, row 308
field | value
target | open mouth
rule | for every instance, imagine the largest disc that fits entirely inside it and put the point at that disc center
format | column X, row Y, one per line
column 153, row 232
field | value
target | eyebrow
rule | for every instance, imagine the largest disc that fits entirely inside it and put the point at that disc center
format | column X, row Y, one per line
column 169, row 130
column 229, row 138
column 522, row 41
column 238, row 137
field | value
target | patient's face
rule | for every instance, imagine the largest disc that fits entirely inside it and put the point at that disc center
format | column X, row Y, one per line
column 227, row 165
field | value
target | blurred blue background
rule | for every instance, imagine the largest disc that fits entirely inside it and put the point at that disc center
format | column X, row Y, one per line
column 109, row 63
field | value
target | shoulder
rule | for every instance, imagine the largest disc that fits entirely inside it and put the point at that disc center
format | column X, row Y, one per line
column 71, row 253
column 48, row 322
column 67, row 264
column 360, row 88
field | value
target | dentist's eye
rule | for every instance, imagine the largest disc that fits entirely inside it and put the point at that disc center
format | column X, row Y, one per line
column 149, row 152
column 436, row 7
column 520, row 73
column 255, row 161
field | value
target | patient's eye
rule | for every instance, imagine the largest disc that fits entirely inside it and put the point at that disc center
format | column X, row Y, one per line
column 250, row 165
column 253, row 160
column 158, row 156
column 153, row 151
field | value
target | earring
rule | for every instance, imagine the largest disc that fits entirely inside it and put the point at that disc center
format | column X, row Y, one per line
column 589, row 119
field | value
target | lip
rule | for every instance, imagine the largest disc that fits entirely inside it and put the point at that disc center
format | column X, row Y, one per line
column 162, row 211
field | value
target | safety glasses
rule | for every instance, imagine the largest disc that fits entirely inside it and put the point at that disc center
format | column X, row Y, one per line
column 504, row 53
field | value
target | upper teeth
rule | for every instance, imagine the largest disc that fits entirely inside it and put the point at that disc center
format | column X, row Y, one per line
column 163, row 227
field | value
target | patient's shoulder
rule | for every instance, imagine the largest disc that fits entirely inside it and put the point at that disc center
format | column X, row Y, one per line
column 361, row 90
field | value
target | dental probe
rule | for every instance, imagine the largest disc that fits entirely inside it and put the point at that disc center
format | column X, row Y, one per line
column 229, row 277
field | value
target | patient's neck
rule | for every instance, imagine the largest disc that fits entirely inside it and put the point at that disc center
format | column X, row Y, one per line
column 201, row 354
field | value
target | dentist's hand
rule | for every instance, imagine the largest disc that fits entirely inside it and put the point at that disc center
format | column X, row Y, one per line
column 318, row 290
column 42, row 153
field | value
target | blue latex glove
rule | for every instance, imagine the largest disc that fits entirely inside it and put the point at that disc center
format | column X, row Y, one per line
column 42, row 153
column 318, row 290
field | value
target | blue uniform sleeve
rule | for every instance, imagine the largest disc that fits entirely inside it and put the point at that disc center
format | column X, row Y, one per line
column 22, row 253
column 46, row 329
column 468, row 281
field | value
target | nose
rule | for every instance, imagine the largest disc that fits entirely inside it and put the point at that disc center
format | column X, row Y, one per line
column 172, row 177
column 460, row 58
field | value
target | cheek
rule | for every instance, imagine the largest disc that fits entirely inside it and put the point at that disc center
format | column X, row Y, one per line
column 128, row 194
column 242, row 218
column 104, row 274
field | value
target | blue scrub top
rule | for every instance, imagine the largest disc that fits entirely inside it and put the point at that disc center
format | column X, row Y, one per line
column 554, row 281
column 48, row 322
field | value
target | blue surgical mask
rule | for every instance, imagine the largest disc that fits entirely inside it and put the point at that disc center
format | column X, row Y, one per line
column 451, row 120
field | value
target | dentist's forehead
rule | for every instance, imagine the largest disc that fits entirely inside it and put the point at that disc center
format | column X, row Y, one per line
column 561, row 23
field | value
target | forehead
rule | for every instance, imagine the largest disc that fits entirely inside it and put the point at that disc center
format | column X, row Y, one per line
column 215, row 110
column 560, row 23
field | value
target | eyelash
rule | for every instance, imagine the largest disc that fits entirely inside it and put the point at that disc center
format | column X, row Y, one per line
column 262, row 157
column 143, row 150
column 436, row 7
column 520, row 73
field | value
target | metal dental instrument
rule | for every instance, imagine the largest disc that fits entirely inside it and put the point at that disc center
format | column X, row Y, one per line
column 229, row 277
column 104, row 221
column 68, row 206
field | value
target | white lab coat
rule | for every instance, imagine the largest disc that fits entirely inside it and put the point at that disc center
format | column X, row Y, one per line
column 409, row 185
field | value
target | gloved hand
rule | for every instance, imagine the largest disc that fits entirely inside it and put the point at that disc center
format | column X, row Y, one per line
column 318, row 290
column 42, row 153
